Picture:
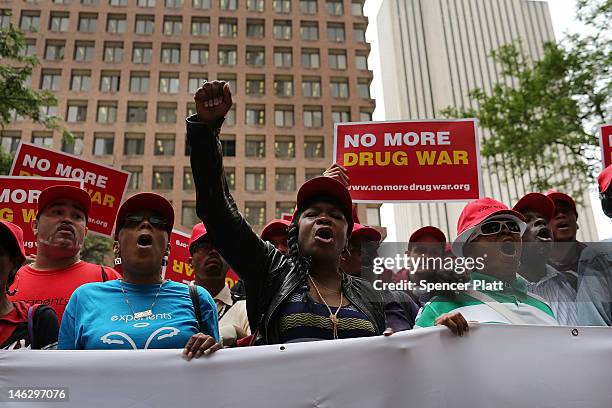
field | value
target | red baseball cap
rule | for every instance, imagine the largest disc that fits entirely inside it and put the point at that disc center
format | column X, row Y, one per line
column 62, row 192
column 430, row 231
column 555, row 195
column 273, row 227
column 536, row 201
column 604, row 179
column 478, row 211
column 371, row 234
column 145, row 201
column 17, row 233
column 326, row 186
column 198, row 231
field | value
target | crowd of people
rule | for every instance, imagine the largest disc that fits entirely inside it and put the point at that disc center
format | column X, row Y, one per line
column 302, row 279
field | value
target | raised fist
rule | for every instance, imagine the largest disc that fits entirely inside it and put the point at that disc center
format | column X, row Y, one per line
column 213, row 100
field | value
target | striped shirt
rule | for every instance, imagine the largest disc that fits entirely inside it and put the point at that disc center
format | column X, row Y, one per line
column 559, row 293
column 529, row 307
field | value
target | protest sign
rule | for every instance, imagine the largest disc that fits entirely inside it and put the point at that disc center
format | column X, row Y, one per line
column 105, row 185
column 19, row 202
column 605, row 141
column 403, row 161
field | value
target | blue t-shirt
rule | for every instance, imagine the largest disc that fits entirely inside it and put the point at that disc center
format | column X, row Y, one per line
column 97, row 317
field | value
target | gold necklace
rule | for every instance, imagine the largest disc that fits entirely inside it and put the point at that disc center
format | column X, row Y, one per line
column 333, row 317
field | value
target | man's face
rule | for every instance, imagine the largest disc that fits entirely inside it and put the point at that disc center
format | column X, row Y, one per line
column 353, row 262
column 61, row 228
column 206, row 261
column 538, row 237
column 279, row 240
column 564, row 224
column 426, row 247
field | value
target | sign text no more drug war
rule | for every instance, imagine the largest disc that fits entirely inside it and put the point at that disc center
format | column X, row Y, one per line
column 605, row 141
column 106, row 185
column 403, row 161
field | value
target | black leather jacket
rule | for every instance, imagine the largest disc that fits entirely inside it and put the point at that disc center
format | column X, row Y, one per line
column 269, row 277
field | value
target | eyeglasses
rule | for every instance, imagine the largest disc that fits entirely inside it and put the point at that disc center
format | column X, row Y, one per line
column 495, row 227
column 134, row 220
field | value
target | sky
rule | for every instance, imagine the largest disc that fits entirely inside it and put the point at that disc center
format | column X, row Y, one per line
column 563, row 16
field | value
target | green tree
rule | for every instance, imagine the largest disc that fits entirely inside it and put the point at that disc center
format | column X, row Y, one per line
column 16, row 98
column 98, row 250
column 549, row 107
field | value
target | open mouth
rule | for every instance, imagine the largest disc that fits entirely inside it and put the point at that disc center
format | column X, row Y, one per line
column 563, row 226
column 324, row 235
column 145, row 241
column 66, row 229
column 544, row 235
column 508, row 248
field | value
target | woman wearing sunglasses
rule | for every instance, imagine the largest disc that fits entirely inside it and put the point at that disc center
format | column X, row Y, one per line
column 490, row 234
column 141, row 311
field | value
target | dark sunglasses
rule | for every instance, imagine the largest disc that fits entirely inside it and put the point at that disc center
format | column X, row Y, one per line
column 134, row 220
column 495, row 227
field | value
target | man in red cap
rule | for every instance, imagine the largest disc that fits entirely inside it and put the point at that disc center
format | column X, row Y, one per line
column 275, row 232
column 564, row 225
column 60, row 228
column 363, row 239
column 210, row 270
column 543, row 279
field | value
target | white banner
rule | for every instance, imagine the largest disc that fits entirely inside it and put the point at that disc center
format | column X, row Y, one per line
column 492, row 366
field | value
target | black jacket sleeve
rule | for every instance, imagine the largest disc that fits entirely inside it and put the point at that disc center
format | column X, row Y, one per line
column 46, row 328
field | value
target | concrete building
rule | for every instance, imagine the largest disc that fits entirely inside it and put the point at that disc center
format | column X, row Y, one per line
column 125, row 71
column 432, row 52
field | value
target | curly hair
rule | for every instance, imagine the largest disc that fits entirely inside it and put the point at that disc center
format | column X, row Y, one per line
column 302, row 262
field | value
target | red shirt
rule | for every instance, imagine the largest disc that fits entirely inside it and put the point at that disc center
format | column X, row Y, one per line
column 55, row 286
column 9, row 321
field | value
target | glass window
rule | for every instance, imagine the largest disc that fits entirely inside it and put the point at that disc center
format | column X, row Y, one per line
column 10, row 141
column 284, row 147
column 47, row 111
column 228, row 27
column 54, row 51
column 285, row 180
column 59, row 22
column 90, row 2
column 308, row 6
column 164, row 145
column 228, row 145
column 255, row 56
column 283, row 57
column 227, row 55
column 189, row 216
column 166, row 112
column 228, row 5
column 334, row 7
column 255, row 212
column 359, row 34
column 337, row 59
column 75, row 146
column 335, row 32
column 133, row 144
column 42, row 139
column 311, row 87
column 173, row 25
column 231, row 80
column 195, row 81
column 282, row 29
column 50, row 80
column 116, row 24
column 255, row 86
column 137, row 112
column 373, row 215
column 313, row 117
column 109, row 81
column 198, row 55
column 113, row 52
column 284, row 208
column 173, row 4
column 118, row 3
column 310, row 58
column 144, row 24
column 312, row 173
column 230, row 118
column 255, row 115
column 139, row 82
column 361, row 61
column 255, row 146
column 142, row 53
column 163, row 178
column 357, row 10
column 146, row 3
column 282, row 6
column 30, row 21
column 170, row 54
column 169, row 83
column 363, row 87
column 5, row 18
column 341, row 115
column 339, row 88
column 84, row 51
column 283, row 116
column 135, row 181
column 255, row 5
column 201, row 4
column 255, row 28
column 230, row 176
column 255, row 179
column 107, row 112
column 103, row 144
column 365, row 116
column 77, row 112
column 314, row 147
column 200, row 26
column 188, row 179
column 309, row 31
column 30, row 48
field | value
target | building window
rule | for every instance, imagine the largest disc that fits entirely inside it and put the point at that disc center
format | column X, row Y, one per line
column 139, row 82
column 230, row 177
column 361, row 61
column 228, row 27
column 173, row 4
column 59, row 22
column 255, row 28
column 137, row 112
column 309, row 31
column 339, row 88
column 164, row 145
column 188, row 179
column 359, row 33
column 30, row 48
column 284, row 147
column 282, row 6
column 166, row 112
column 90, row 2
column 50, row 80
column 173, row 25
column 255, row 115
column 255, row 212
column 363, row 87
column 231, row 80
column 373, row 215
column 54, row 51
column 283, row 116
column 198, row 54
column 77, row 111
column 142, row 53
column 255, row 56
column 109, row 81
column 88, row 23
column 5, row 18
column 168, row 83
column 313, row 117
column 312, row 173
column 255, row 5
column 308, row 6
column 283, row 57
column 170, row 54
column 107, row 112
column 144, row 24
column 337, row 59
column 133, row 144
column 282, row 29
column 30, row 21
column 146, row 3
column 255, row 85
column 228, row 145
column 255, row 179
column 357, row 9
column 103, row 144
column 200, row 26
column 314, row 147
column 311, row 87
column 228, row 5
column 310, row 58
column 284, row 208
column 163, row 178
column 201, row 4
column 189, row 216
column 228, row 55
column 284, row 180
column 118, row 3
column 341, row 115
column 83, row 51
column 195, row 81
column 135, row 181
column 334, row 7
column 113, row 52
column 365, row 116
column 42, row 139
column 116, row 23
column 335, row 32
column 48, row 111
column 255, row 146
column 75, row 146
column 10, row 141
column 230, row 118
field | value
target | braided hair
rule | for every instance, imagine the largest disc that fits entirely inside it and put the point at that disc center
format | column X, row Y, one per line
column 301, row 262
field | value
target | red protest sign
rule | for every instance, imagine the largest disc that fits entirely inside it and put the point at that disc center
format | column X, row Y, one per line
column 605, row 141
column 105, row 185
column 19, row 201
column 179, row 269
column 433, row 160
